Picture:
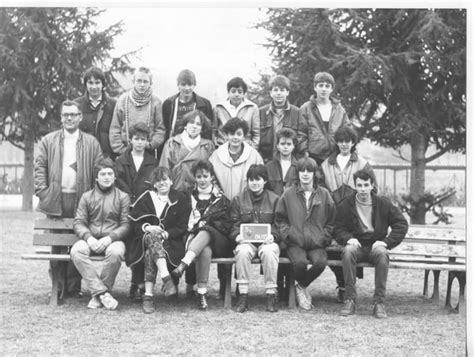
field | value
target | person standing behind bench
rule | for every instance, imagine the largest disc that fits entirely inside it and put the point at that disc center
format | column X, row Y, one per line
column 305, row 216
column 362, row 224
column 97, row 109
column 101, row 223
column 63, row 172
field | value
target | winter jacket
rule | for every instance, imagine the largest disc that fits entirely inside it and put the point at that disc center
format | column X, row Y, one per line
column 248, row 112
column 340, row 182
column 385, row 214
column 232, row 176
column 278, row 183
column 243, row 210
column 267, row 146
column 48, row 169
column 317, row 140
column 307, row 228
column 169, row 108
column 128, row 179
column 96, row 121
column 180, row 160
column 126, row 114
column 174, row 219
column 102, row 214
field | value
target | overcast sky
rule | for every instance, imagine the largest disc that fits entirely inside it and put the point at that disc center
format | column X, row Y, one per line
column 216, row 43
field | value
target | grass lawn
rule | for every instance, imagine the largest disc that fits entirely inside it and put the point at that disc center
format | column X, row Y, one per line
column 415, row 327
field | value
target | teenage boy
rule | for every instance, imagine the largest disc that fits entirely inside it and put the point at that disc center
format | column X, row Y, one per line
column 277, row 115
column 134, row 168
column 101, row 223
column 237, row 106
column 185, row 101
column 321, row 116
column 362, row 224
column 305, row 215
column 134, row 106
column 233, row 158
column 97, row 109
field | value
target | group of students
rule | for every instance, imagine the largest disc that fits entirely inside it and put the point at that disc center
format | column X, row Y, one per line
column 173, row 182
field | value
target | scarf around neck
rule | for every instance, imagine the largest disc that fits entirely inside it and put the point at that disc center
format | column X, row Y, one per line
column 190, row 143
column 140, row 99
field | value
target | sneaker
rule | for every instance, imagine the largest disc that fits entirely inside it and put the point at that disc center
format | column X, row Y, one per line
column 301, row 297
column 349, row 308
column 108, row 301
column 202, row 301
column 379, row 311
column 148, row 305
column 242, row 303
column 94, row 303
column 169, row 288
column 271, row 303
column 340, row 294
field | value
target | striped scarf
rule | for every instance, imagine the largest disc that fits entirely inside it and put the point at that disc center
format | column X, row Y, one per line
column 140, row 99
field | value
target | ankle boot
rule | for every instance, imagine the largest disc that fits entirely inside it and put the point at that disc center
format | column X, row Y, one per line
column 242, row 303
column 202, row 301
column 271, row 303
column 179, row 271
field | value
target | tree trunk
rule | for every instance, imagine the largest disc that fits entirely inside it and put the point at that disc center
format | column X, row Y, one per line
column 417, row 178
column 28, row 180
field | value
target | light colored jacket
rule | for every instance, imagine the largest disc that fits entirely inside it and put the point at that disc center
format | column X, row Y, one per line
column 48, row 169
column 180, row 160
column 124, row 111
column 248, row 112
column 232, row 176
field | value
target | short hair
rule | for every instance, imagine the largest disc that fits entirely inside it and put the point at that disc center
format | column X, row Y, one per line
column 104, row 163
column 363, row 175
column 286, row 133
column 280, row 81
column 346, row 134
column 96, row 73
column 143, row 70
column 256, row 171
column 70, row 103
column 203, row 165
column 186, row 76
column 159, row 173
column 189, row 118
column 324, row 77
column 139, row 128
column 235, row 124
column 307, row 163
column 237, row 82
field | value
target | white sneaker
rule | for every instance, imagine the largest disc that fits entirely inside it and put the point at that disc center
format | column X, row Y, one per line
column 94, row 303
column 108, row 301
column 301, row 297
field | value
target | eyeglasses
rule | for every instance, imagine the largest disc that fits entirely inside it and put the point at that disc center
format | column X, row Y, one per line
column 70, row 115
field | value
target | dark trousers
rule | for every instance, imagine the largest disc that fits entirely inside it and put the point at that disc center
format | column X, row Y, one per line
column 138, row 273
column 351, row 255
column 300, row 260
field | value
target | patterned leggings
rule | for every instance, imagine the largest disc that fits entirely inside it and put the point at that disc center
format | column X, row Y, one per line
column 153, row 251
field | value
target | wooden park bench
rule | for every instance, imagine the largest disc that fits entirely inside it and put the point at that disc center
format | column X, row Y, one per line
column 428, row 248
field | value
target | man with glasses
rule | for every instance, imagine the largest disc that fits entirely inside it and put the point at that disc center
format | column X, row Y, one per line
column 63, row 172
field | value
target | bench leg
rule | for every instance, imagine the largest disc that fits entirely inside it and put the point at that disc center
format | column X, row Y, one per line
column 435, row 295
column 461, row 277
column 228, row 287
column 291, row 291
column 55, row 276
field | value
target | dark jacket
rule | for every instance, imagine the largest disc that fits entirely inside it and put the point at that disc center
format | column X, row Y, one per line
column 242, row 210
column 267, row 146
column 102, row 214
column 128, row 179
column 174, row 220
column 276, row 181
column 96, row 121
column 202, row 104
column 385, row 214
column 307, row 228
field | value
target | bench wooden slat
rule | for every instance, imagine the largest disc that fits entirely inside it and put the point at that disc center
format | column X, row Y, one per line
column 55, row 239
column 56, row 223
column 436, row 233
column 435, row 250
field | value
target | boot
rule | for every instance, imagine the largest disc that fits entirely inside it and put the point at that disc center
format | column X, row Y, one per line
column 202, row 301
column 242, row 303
column 179, row 271
column 169, row 288
column 271, row 303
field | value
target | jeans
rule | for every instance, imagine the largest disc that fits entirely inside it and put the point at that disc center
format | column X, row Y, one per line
column 114, row 255
column 268, row 254
column 301, row 258
column 379, row 257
